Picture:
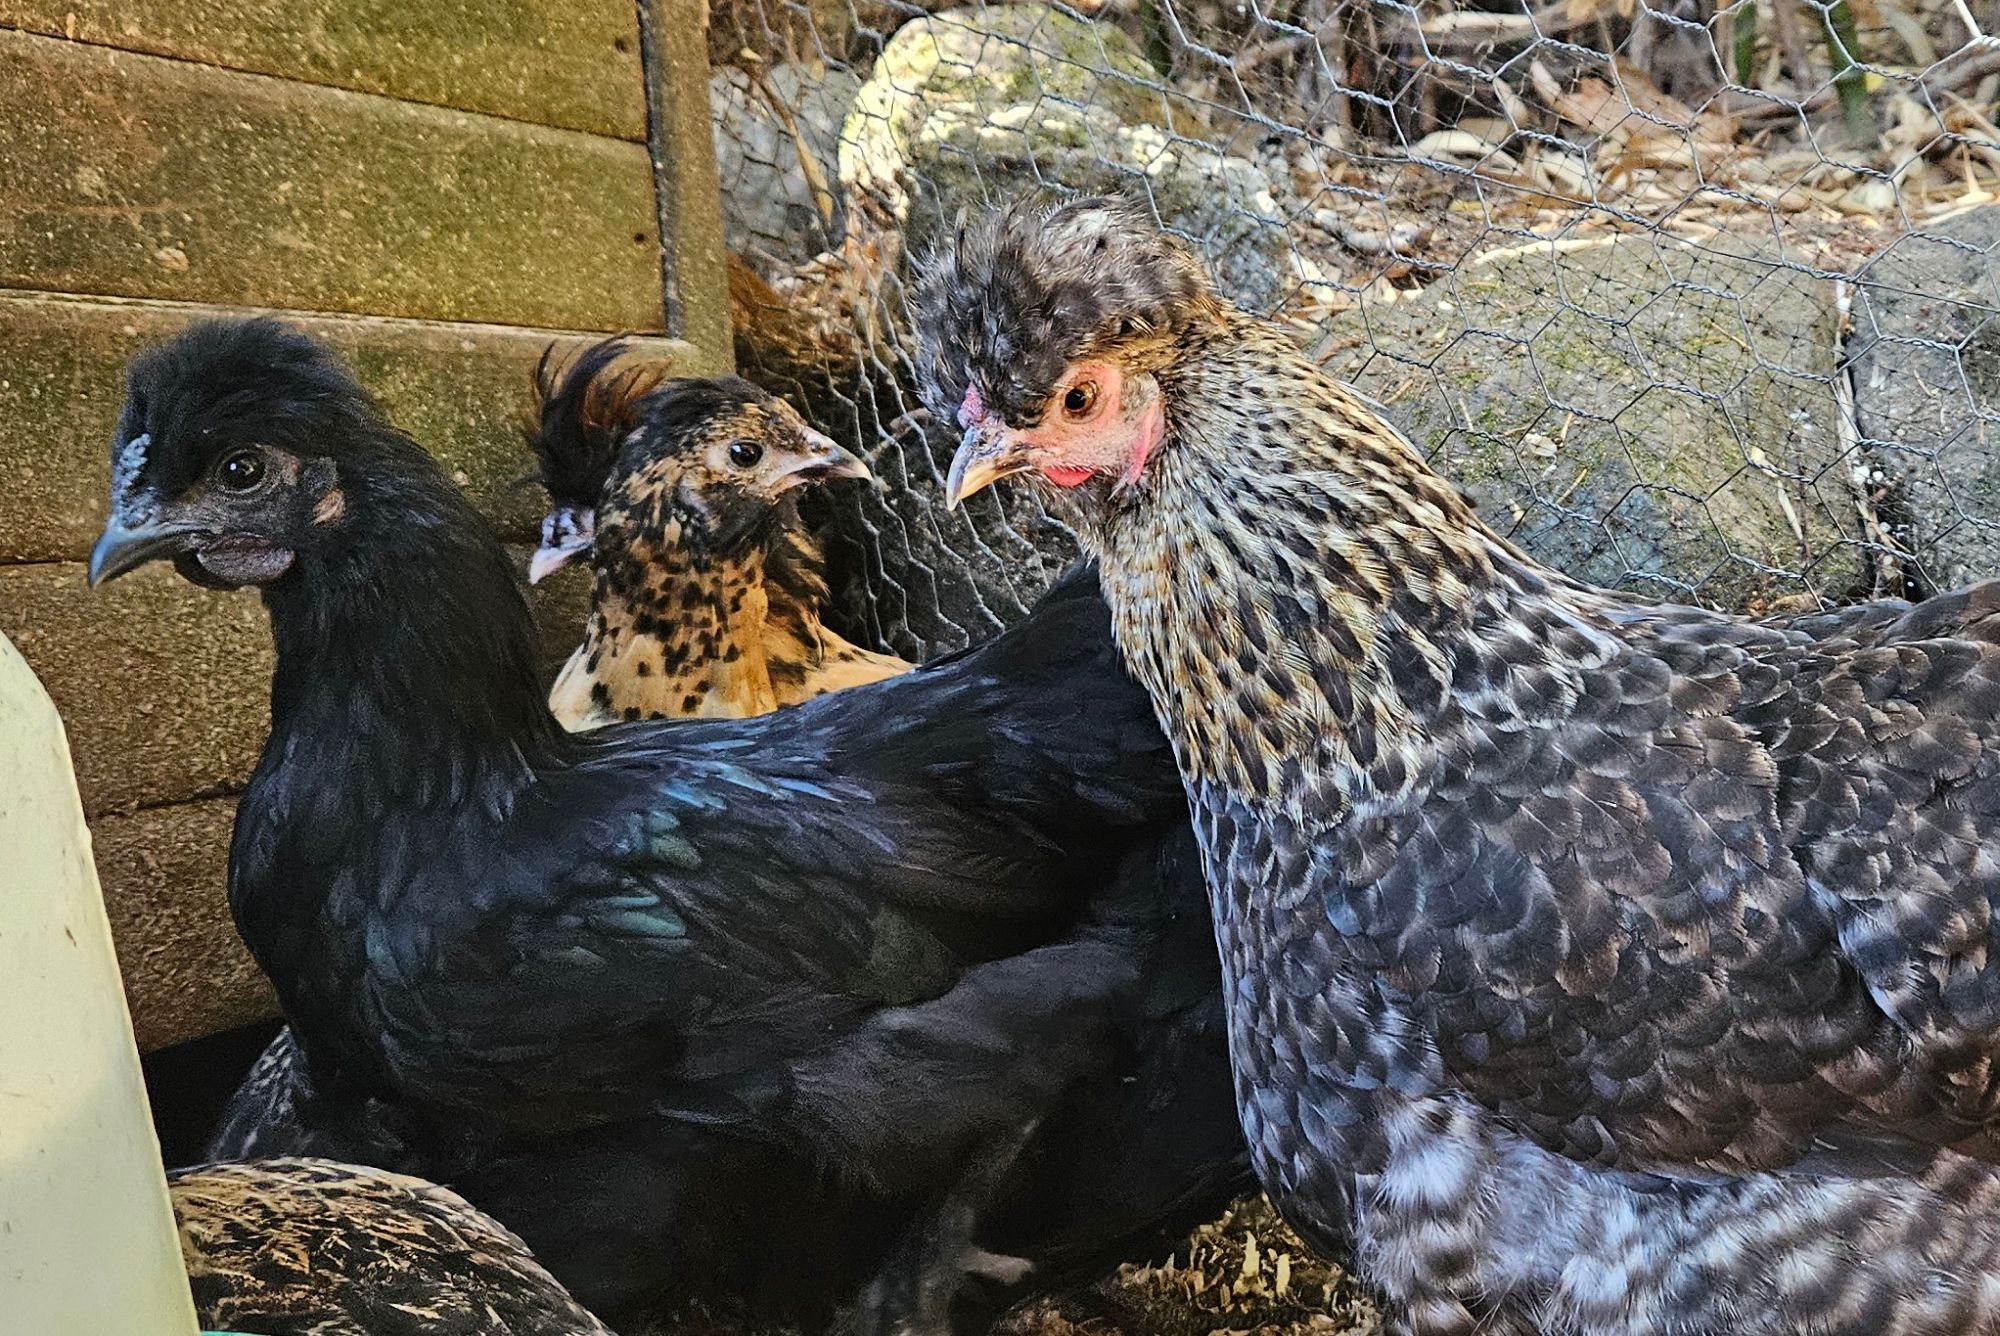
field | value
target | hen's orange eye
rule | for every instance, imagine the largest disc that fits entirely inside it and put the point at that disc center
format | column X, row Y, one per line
column 1080, row 399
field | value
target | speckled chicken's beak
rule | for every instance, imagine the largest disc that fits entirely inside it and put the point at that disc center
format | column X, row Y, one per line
column 988, row 453
column 566, row 535
column 824, row 461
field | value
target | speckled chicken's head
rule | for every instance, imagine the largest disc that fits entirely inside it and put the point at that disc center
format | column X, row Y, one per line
column 236, row 453
column 1045, row 329
column 716, row 461
column 714, row 467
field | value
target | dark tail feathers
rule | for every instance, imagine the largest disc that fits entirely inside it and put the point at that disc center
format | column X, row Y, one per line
column 584, row 406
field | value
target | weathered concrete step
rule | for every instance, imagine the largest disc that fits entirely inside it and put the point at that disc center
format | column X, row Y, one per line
column 570, row 63
column 165, row 874
column 456, row 388
column 138, row 176
column 164, row 686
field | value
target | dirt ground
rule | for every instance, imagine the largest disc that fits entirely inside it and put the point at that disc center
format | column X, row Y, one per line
column 1242, row 1274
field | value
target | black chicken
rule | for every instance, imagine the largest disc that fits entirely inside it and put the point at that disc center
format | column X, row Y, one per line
column 1594, row 966
column 656, row 993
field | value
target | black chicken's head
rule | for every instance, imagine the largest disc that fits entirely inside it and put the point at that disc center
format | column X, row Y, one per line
column 1042, row 328
column 582, row 410
column 229, row 454
column 709, row 465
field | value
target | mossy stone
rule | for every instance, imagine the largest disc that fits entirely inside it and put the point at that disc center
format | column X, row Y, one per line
column 1638, row 412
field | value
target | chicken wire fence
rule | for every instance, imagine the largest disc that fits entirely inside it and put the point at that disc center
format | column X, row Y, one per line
column 1694, row 299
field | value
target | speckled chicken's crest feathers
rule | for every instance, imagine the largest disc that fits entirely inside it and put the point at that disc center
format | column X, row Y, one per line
column 583, row 408
column 1015, row 296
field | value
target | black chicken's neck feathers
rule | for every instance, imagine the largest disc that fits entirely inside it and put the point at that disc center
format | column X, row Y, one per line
column 407, row 649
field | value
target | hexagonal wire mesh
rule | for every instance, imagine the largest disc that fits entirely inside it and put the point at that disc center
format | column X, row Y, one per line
column 1693, row 300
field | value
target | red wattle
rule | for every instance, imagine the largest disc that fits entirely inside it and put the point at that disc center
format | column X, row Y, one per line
column 1067, row 475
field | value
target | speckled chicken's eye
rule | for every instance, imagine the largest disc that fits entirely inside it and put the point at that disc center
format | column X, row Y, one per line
column 1079, row 400
column 745, row 453
column 241, row 471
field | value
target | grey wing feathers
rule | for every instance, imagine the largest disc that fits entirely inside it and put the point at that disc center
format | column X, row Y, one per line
column 1733, row 907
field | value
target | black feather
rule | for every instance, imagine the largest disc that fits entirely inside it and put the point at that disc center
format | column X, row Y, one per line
column 611, row 977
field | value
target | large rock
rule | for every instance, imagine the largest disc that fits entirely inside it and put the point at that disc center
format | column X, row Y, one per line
column 968, row 106
column 963, row 64
column 1639, row 413
column 779, row 173
column 1926, row 355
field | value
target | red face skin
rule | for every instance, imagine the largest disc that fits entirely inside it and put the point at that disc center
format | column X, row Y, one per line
column 1099, row 423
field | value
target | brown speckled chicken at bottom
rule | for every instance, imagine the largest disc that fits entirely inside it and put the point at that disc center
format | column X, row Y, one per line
column 301, row 1247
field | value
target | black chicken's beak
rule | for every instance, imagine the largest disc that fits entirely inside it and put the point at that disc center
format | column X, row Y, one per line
column 988, row 453
column 120, row 549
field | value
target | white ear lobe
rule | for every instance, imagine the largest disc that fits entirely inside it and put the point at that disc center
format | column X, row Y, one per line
column 129, row 464
column 566, row 535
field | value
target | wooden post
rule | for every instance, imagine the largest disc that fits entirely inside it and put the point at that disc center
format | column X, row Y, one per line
column 680, row 133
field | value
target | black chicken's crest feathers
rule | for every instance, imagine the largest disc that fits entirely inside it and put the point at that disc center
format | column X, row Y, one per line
column 221, row 382
column 1018, row 294
column 582, row 410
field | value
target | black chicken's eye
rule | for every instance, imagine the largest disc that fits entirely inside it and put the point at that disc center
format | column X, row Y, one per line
column 1079, row 399
column 241, row 471
column 745, row 453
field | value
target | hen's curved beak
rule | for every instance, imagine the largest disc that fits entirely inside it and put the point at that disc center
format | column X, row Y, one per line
column 122, row 547
column 566, row 535
column 988, row 453
column 823, row 461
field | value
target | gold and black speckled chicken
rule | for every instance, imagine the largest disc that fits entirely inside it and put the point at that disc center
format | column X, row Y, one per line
column 1594, row 965
column 708, row 590
column 302, row 1247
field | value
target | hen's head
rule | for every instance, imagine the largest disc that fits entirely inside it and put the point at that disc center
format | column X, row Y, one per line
column 712, row 465
column 233, row 453
column 1044, row 329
